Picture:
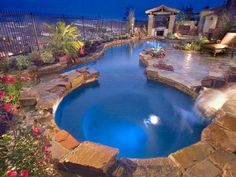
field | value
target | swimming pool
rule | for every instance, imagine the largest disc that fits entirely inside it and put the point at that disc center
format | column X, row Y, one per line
column 142, row 118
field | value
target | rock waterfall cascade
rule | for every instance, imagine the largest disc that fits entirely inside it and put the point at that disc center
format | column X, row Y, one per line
column 210, row 101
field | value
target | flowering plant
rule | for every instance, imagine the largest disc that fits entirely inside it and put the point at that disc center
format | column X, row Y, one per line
column 24, row 150
column 9, row 94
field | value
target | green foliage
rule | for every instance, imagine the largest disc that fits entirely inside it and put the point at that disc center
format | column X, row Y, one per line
column 23, row 61
column 124, row 36
column 34, row 56
column 24, row 149
column 47, row 57
column 170, row 35
column 13, row 92
column 4, row 63
column 157, row 48
column 197, row 44
column 64, row 38
column 131, row 20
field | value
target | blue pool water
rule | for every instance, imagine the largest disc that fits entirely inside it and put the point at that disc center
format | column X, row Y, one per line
column 123, row 109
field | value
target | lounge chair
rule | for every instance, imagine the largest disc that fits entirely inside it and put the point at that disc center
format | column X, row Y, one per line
column 222, row 46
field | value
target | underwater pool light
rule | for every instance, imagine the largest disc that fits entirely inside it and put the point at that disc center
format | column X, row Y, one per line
column 154, row 119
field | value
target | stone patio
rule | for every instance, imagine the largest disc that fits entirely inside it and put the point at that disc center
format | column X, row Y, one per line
column 189, row 70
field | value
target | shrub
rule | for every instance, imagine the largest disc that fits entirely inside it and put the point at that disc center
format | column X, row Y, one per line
column 170, row 35
column 35, row 57
column 9, row 94
column 197, row 44
column 23, row 62
column 158, row 51
column 64, row 38
column 47, row 57
column 4, row 63
column 25, row 150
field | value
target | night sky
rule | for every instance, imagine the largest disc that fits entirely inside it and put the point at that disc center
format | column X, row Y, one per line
column 100, row 8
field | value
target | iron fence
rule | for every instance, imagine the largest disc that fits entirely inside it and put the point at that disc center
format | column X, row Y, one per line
column 20, row 32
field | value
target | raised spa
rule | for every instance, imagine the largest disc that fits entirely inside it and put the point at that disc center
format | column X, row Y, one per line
column 142, row 118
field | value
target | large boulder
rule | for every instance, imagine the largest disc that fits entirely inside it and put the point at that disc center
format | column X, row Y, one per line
column 123, row 168
column 230, row 107
column 163, row 66
column 90, row 159
column 54, row 68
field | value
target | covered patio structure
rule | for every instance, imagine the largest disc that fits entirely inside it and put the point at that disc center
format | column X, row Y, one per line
column 161, row 20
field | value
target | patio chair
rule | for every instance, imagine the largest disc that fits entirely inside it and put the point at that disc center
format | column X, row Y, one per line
column 222, row 46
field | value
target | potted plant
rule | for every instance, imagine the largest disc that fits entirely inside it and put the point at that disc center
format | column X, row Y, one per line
column 64, row 40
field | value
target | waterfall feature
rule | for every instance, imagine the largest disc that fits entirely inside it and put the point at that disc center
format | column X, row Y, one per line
column 210, row 100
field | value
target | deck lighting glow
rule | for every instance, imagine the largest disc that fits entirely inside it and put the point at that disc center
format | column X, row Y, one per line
column 10, row 54
column 189, row 57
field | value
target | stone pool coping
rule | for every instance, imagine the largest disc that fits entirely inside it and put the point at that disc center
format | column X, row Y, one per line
column 211, row 156
column 58, row 67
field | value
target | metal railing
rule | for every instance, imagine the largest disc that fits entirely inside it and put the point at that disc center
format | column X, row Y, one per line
column 20, row 32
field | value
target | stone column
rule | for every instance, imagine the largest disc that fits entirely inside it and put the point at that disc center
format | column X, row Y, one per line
column 171, row 24
column 150, row 24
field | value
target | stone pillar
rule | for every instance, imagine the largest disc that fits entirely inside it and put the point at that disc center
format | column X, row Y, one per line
column 150, row 24
column 171, row 24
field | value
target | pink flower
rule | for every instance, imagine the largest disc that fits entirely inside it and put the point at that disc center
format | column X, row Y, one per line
column 2, row 94
column 24, row 173
column 14, row 108
column 7, row 107
column 12, row 173
column 7, row 79
column 82, row 51
column 46, row 149
column 24, row 78
column 36, row 131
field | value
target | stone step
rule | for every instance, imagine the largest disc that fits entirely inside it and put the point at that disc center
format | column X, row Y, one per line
column 90, row 159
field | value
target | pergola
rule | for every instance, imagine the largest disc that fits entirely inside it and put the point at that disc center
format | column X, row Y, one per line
column 161, row 11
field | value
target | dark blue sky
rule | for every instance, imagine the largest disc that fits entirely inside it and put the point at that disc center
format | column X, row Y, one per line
column 102, row 8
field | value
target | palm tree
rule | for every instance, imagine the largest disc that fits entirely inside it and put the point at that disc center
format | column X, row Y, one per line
column 130, row 17
column 64, row 38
